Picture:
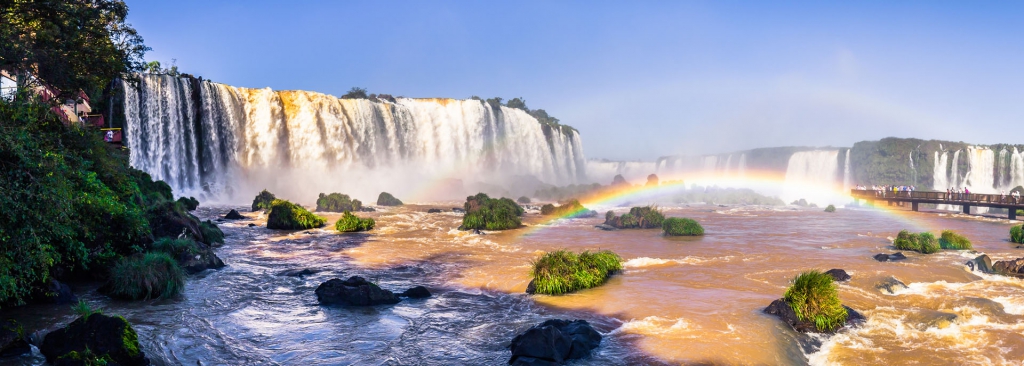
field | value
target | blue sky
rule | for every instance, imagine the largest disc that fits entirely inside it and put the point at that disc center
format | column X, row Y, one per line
column 638, row 79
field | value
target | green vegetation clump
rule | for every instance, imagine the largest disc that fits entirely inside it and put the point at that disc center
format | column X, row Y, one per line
column 1017, row 234
column 352, row 223
column 174, row 247
column 483, row 212
column 562, row 271
column 263, row 201
column 814, row 297
column 677, row 226
column 925, row 242
column 570, row 209
column 523, row 200
column 952, row 240
column 647, row 217
column 830, row 208
column 146, row 276
column 189, row 203
column 285, row 215
column 386, row 199
column 337, row 202
column 211, row 233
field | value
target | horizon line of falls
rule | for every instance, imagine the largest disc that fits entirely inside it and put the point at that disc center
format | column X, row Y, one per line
column 985, row 172
column 224, row 142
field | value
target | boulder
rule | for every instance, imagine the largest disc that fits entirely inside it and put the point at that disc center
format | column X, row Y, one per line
column 234, row 215
column 252, row 225
column 890, row 285
column 882, row 257
column 435, row 210
column 838, row 275
column 1014, row 268
column 94, row 336
column 12, row 339
column 606, row 227
column 418, row 292
column 354, row 291
column 781, row 309
column 554, row 342
column 531, row 288
column 56, row 292
column 479, row 232
column 202, row 260
column 981, row 264
column 367, row 209
column 458, row 209
column 298, row 272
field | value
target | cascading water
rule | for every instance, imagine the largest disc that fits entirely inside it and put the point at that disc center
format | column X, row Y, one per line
column 742, row 169
column 811, row 175
column 846, row 173
column 199, row 136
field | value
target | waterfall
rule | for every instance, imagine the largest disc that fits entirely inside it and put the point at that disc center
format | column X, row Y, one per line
column 1016, row 169
column 725, row 170
column 846, row 172
column 980, row 177
column 741, row 170
column 940, row 179
column 954, row 175
column 215, row 140
column 812, row 175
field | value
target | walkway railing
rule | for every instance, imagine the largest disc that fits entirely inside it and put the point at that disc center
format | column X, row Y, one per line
column 952, row 198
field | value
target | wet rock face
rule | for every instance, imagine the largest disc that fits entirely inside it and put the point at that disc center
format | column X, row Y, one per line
column 1014, row 268
column 96, row 336
column 781, row 309
column 234, row 215
column 882, row 257
column 298, row 272
column 554, row 342
column 435, row 210
column 201, row 261
column 12, row 339
column 418, row 292
column 838, row 275
column 890, row 285
column 981, row 264
column 355, row 291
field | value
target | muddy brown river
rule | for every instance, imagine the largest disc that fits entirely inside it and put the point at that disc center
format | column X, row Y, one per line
column 678, row 301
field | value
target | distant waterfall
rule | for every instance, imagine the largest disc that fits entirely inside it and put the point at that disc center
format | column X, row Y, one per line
column 954, row 175
column 208, row 139
column 741, row 170
column 846, row 173
column 812, row 175
column 940, row 181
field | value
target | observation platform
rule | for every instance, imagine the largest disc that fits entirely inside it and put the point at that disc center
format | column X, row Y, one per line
column 966, row 201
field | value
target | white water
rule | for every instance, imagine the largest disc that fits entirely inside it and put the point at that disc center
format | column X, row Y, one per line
column 811, row 175
column 237, row 141
column 846, row 173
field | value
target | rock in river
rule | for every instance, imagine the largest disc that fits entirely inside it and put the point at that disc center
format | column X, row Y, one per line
column 418, row 292
column 233, row 215
column 981, row 264
column 890, row 285
column 882, row 257
column 100, row 335
column 12, row 339
column 781, row 309
column 554, row 342
column 355, row 291
column 1013, row 268
column 838, row 275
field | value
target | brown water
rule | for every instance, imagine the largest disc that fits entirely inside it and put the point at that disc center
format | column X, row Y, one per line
column 679, row 300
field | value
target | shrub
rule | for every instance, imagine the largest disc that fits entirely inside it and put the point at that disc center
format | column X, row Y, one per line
column 351, row 223
column 211, row 233
column 386, row 199
column 263, row 201
column 562, row 271
column 814, row 297
column 677, row 226
column 952, row 240
column 928, row 243
column 174, row 247
column 523, row 200
column 922, row 242
column 285, row 215
column 1017, row 234
column 483, row 212
column 647, row 217
column 337, row 202
column 145, row 276
column 830, row 208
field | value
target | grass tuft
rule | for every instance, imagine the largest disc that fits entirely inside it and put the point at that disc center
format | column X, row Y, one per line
column 263, row 201
column 952, row 240
column 285, row 215
column 211, row 233
column 678, row 226
column 814, row 297
column 562, row 271
column 924, row 242
column 1017, row 234
column 352, row 223
column 152, row 275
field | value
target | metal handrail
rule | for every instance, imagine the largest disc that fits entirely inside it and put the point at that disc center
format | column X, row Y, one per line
column 940, row 196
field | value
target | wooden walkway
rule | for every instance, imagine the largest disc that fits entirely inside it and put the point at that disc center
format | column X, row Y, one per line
column 943, row 198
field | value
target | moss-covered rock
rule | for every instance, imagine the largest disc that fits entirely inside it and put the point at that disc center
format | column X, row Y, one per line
column 352, row 223
column 568, row 209
column 212, row 234
column 523, row 200
column 952, row 240
column 192, row 256
column 337, row 202
column 830, row 208
column 263, row 201
column 145, row 276
column 386, row 199
column 95, row 339
column 189, row 203
column 485, row 213
column 12, row 339
column 285, row 215
column 562, row 271
column 647, row 217
column 812, row 304
column 678, row 226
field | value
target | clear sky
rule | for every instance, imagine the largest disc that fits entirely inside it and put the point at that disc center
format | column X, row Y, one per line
column 638, row 79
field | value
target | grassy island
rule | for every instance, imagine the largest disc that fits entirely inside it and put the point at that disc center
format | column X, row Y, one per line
column 953, row 240
column 922, row 242
column 678, row 226
column 1017, row 234
column 351, row 223
column 646, row 217
column 562, row 271
column 483, row 212
column 570, row 209
column 285, row 215
column 814, row 298
column 337, row 202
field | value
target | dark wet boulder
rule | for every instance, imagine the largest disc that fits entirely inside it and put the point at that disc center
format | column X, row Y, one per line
column 1014, row 268
column 355, row 291
column 234, row 215
column 890, row 285
column 201, row 261
column 55, row 292
column 531, row 288
column 418, row 292
column 298, row 272
column 252, row 225
column 458, row 209
column 606, row 227
column 367, row 209
column 882, row 257
column 479, row 232
column 91, row 338
column 838, row 275
column 981, row 264
column 782, row 310
column 435, row 210
column 386, row 199
column 12, row 339
column 554, row 342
